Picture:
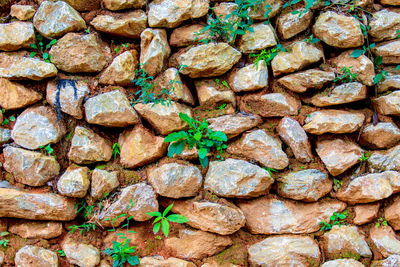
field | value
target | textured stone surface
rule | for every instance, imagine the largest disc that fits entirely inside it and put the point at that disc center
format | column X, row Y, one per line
column 291, row 24
column 309, row 79
column 38, row 229
column 16, row 35
column 186, row 35
column 391, row 82
column 381, row 135
column 385, row 25
column 83, row 5
column 388, row 104
column 234, row 124
column 74, row 182
column 392, row 214
column 384, row 238
column 249, row 78
column 343, row 263
column 386, row 160
column 14, row 95
column 158, row 261
column 365, row 213
column 121, row 70
column 258, row 12
column 262, row 37
column 389, row 51
column 22, row 12
column 81, row 254
column 5, row 135
column 34, row 256
column 213, row 94
column 391, row 261
column 123, row 4
column 154, row 50
column 102, row 183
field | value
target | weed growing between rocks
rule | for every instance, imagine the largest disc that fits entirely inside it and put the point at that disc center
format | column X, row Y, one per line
column 336, row 219
column 42, row 48
column 162, row 220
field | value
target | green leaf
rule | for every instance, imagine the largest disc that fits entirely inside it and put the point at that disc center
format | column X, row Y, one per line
column 378, row 60
column 167, row 210
column 177, row 218
column 357, row 53
column 197, row 136
column 32, row 54
column 34, row 46
column 398, row 67
column 378, row 78
column 203, row 153
column 154, row 214
column 156, row 228
column 45, row 55
column 176, row 148
column 175, row 136
column 204, row 162
column 165, row 227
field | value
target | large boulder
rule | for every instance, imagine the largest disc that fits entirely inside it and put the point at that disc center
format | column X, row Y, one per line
column 16, row 35
column 310, row 79
column 154, row 50
column 380, row 136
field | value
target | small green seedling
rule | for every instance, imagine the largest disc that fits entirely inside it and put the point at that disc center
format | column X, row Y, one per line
column 337, row 184
column 270, row 170
column 365, row 156
column 42, row 49
column 48, row 149
column 83, row 227
column 5, row 120
column 346, row 75
column 122, row 253
column 117, row 49
column 4, row 242
column 223, row 83
column 381, row 222
column 162, row 220
column 116, row 150
column 335, row 219
column 266, row 55
column 61, row 253
column 311, row 39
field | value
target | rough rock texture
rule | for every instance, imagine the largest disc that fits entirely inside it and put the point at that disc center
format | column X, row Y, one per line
column 34, row 256
column 309, row 79
column 123, row 4
column 391, row 261
column 16, row 35
column 22, row 12
column 5, row 135
column 154, row 50
column 81, row 254
column 249, row 78
column 388, row 104
column 235, row 124
column 102, row 183
column 186, row 35
column 83, row 5
column 213, row 94
column 39, row 229
column 121, row 70
column 365, row 213
column 158, row 261
column 384, row 25
column 385, row 160
column 74, row 182
column 343, row 263
column 380, row 136
column 384, row 238
column 392, row 214
column 389, row 51
column 262, row 37
column 290, row 24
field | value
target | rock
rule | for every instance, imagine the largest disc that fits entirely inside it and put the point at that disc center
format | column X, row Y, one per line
column 212, row 94
column 135, row 201
column 390, row 2
column 196, row 244
column 333, row 121
column 389, row 51
column 22, row 12
column 271, row 104
column 28, row 167
column 83, row 5
column 175, row 180
column 249, row 78
column 74, row 182
column 306, row 185
column 297, row 57
column 76, row 52
column 391, row 261
column 262, row 37
column 158, row 261
column 129, row 25
column 384, row 25
column 290, row 24
column 212, row 217
column 171, row 13
column 342, row 94
column 36, row 127
column 391, row 82
column 338, row 30
column 5, row 135
column 309, row 79
column 2, row 256
column 123, row 4
column 380, row 136
column 15, row 66
column 237, row 178
column 222, row 10
column 121, row 71
column 344, row 240
column 365, row 213
column 36, row 206
column 87, row 147
column 16, row 35
column 54, row 19
column 338, row 155
column 388, row 104
column 164, row 117
column 81, row 254
column 386, row 160
column 209, row 60
column 111, row 109
column 286, row 250
column 137, row 235
column 39, row 229
column 343, row 263
column 261, row 147
column 258, row 12
column 15, row 96
column 392, row 214
column 296, row 138
column 154, row 50
column 384, row 238
column 187, row 35
column 139, row 147
column 234, row 124
column 103, row 183
column 34, row 256
column 271, row 215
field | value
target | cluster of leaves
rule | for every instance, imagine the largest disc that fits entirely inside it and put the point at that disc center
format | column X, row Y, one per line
column 116, row 150
column 266, row 55
column 346, row 76
column 381, row 222
column 199, row 136
column 337, row 184
column 270, row 170
column 5, row 120
column 61, row 253
column 335, row 219
column 4, row 242
column 311, row 39
column 307, row 6
column 42, row 48
column 381, row 73
column 48, row 150
column 222, row 83
column 365, row 156
column 118, row 48
column 162, row 220
column 122, row 253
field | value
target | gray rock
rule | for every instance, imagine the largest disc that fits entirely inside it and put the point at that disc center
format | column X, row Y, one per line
column 35, row 256
column 384, row 25
column 234, row 124
column 290, row 24
column 75, row 182
column 384, row 238
column 81, row 254
column 249, row 78
column 386, row 160
column 262, row 37
column 121, row 70
column 213, row 94
column 154, row 50
column 5, row 135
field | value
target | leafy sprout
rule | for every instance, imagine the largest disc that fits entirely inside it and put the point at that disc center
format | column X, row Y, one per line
column 122, row 253
column 162, row 220
column 116, row 150
column 42, row 48
column 335, row 219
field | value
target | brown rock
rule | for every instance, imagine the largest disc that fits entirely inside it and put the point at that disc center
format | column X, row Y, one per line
column 309, row 79
column 249, row 78
column 258, row 12
column 158, row 261
column 388, row 104
column 154, row 50
column 379, row 136
column 263, row 36
column 16, row 35
column 121, row 71
column 83, row 5
column 384, row 238
column 390, row 2
column 392, row 214
column 391, row 82
column 75, row 182
column 343, row 263
column 186, row 35
column 123, row 4
column 28, row 229
column 385, row 25
column 213, row 94
column 290, row 24
column 234, row 124
column 15, row 96
column 391, row 261
column 389, row 51
column 22, row 12
column 385, row 160
column 365, row 213
column 5, row 134
column 81, row 254
column 34, row 256
column 103, row 182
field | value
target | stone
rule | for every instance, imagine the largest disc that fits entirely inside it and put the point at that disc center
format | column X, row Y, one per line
column 307, row 185
column 338, row 30
column 389, row 51
column 237, row 178
column 338, row 155
column 286, row 250
column 15, row 66
column 87, row 147
column 212, row 217
column 310, row 79
column 34, row 256
column 36, row 206
column 81, row 254
column 380, row 136
column 262, row 37
column 384, row 238
column 333, row 121
column 28, row 167
column 175, row 180
column 36, row 127
column 385, row 25
column 123, row 4
column 391, row 261
column 75, row 182
column 271, row 215
column 222, row 10
column 190, row 244
column 390, row 2
column 2, row 257
column 290, row 24
column 391, row 82
column 158, row 261
column 297, row 56
column 187, row 35
column 258, row 11
column 386, row 160
column 14, row 95
column 129, row 25
column 212, row 94
column 111, row 109
column 342, row 94
column 296, row 138
column 271, row 104
column 234, row 124
column 54, row 19
column 154, row 50
column 121, row 70
column 139, row 147
column 36, row 229
column 5, row 135
column 208, row 60
column 365, row 213
column 76, row 52
column 388, row 104
column 171, row 13
column 22, row 12
column 343, row 263
column 392, row 214
column 134, row 201
column 259, row 146
column 164, row 118
column 102, row 183
column 16, row 35
column 71, row 95
column 344, row 240
column 83, row 5
column 249, row 78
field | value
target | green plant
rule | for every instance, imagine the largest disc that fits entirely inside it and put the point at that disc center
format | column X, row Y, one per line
column 270, row 170
column 61, row 253
column 41, row 48
column 337, row 184
column 367, row 48
column 365, row 156
column 311, row 39
column 116, row 150
column 308, row 5
column 5, row 120
column 199, row 136
column 48, row 149
column 266, row 55
column 381, row 222
column 346, row 75
column 118, row 48
column 223, row 83
column 4, row 242
column 335, row 219
column 162, row 220
column 122, row 253
column 381, row 73
column 83, row 227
